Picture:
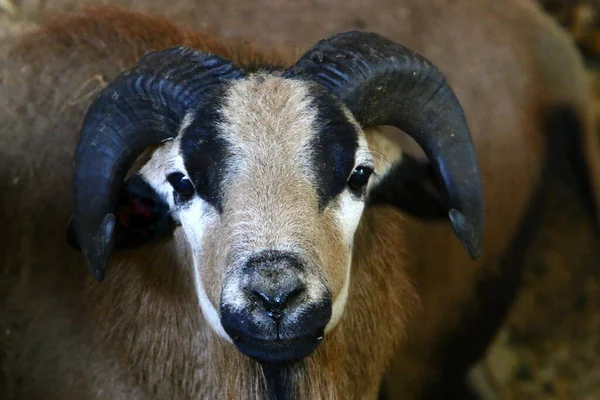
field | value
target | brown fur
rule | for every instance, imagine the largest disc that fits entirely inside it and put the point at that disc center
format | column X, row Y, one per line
column 123, row 334
column 156, row 334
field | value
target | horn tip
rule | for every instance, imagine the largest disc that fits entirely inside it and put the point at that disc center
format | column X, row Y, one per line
column 466, row 233
column 98, row 274
column 97, row 256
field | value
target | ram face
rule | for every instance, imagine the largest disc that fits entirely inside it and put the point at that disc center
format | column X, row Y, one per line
column 267, row 173
column 268, row 184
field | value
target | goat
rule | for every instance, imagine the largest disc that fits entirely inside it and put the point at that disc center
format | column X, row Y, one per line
column 141, row 333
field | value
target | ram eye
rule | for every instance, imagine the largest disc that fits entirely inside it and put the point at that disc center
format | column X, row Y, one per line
column 182, row 185
column 359, row 178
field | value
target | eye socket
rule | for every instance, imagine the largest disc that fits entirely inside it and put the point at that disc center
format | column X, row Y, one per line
column 359, row 178
column 181, row 185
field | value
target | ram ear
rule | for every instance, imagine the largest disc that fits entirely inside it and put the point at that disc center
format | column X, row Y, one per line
column 411, row 186
column 141, row 216
column 409, row 182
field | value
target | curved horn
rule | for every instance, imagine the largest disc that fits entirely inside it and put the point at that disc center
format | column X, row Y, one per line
column 384, row 83
column 141, row 107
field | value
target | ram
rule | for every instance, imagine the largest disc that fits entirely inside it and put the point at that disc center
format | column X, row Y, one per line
column 255, row 231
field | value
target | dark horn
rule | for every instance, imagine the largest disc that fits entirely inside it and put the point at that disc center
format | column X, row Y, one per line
column 384, row 83
column 139, row 108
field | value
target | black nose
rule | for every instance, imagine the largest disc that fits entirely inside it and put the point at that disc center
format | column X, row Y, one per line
column 267, row 310
column 276, row 298
column 273, row 281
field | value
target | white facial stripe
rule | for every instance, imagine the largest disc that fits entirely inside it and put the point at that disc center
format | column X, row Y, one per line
column 348, row 217
column 208, row 310
column 195, row 217
column 165, row 159
column 339, row 303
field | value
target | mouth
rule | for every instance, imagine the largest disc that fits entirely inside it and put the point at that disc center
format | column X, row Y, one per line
column 278, row 351
column 272, row 325
column 284, row 340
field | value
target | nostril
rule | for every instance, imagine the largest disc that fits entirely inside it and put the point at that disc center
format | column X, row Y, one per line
column 294, row 294
column 274, row 283
column 275, row 302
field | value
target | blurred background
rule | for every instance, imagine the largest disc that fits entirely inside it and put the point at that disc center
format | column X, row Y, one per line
column 549, row 347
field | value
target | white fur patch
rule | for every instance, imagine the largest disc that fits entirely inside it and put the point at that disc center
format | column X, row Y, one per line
column 337, row 309
column 348, row 217
column 194, row 217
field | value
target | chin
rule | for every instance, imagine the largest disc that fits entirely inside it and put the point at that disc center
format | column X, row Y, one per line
column 278, row 351
column 286, row 340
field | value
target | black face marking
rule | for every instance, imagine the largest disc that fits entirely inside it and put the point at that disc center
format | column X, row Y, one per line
column 335, row 146
column 204, row 152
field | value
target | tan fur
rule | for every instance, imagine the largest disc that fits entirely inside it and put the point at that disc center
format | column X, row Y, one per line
column 270, row 199
column 140, row 333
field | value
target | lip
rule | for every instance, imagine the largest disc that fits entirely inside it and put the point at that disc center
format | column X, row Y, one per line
column 278, row 351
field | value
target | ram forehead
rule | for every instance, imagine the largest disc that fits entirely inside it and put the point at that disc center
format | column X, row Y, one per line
column 293, row 130
column 267, row 116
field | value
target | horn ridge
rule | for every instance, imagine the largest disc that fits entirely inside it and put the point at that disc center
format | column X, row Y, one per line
column 140, row 107
column 384, row 83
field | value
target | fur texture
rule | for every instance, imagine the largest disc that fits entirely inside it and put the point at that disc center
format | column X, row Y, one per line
column 140, row 334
